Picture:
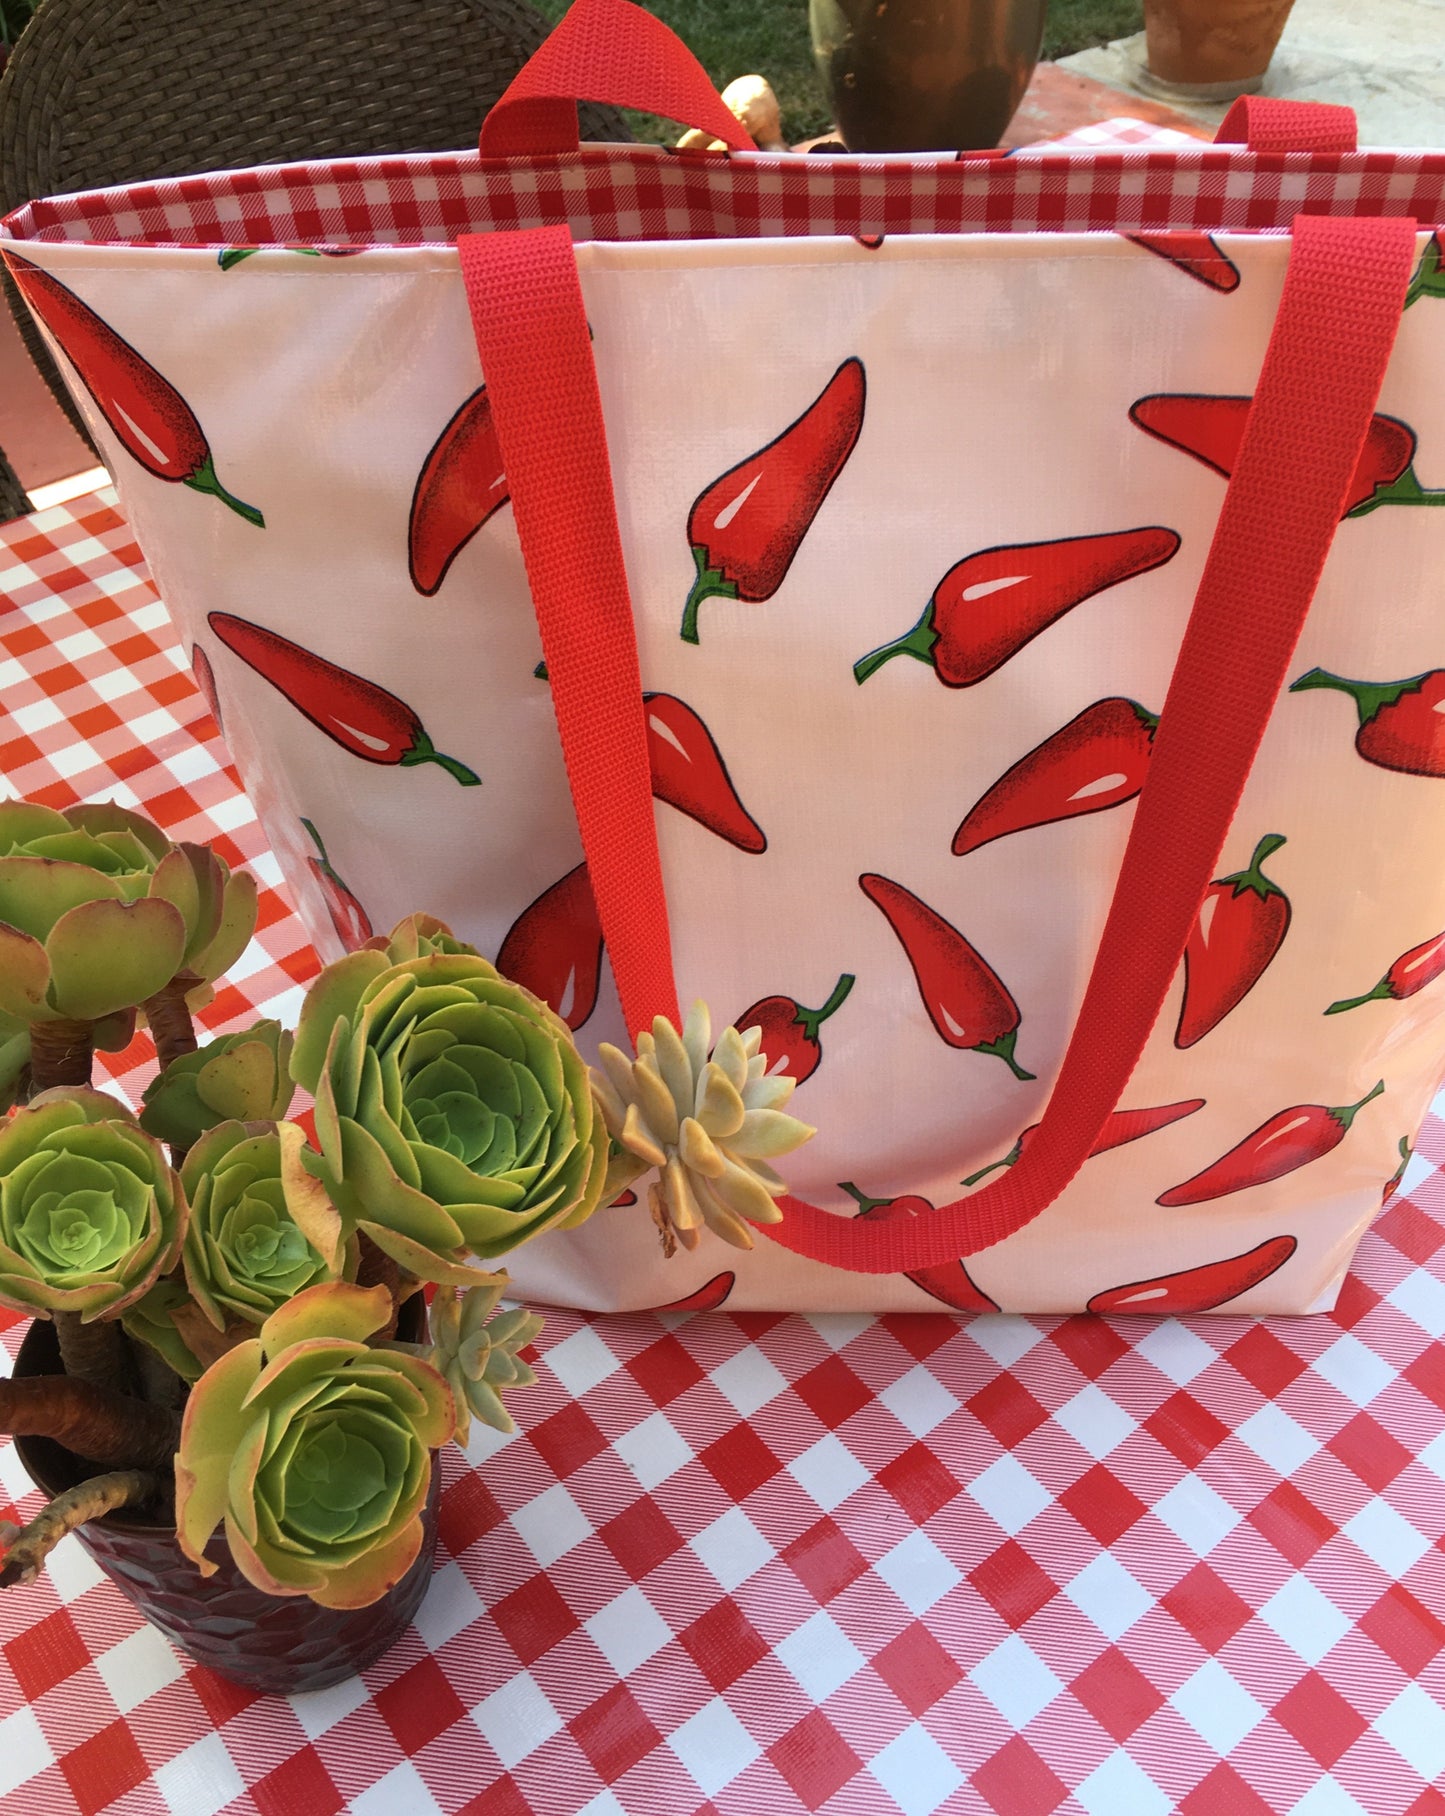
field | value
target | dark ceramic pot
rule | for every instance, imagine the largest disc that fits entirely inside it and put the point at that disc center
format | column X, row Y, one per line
column 925, row 75
column 267, row 1642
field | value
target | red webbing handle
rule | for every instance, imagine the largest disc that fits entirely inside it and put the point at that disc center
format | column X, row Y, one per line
column 1264, row 124
column 1343, row 296
column 604, row 50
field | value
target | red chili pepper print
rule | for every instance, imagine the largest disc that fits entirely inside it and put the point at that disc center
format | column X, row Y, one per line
column 1097, row 760
column 688, row 773
column 707, row 1298
column 1195, row 254
column 461, row 485
column 1241, row 926
column 1122, row 1127
column 1290, row 1139
column 1402, row 723
column 965, row 1000
column 746, row 527
column 1429, row 278
column 554, row 948
column 627, row 1197
column 350, row 920
column 790, row 1033
column 1410, row 972
column 1212, row 428
column 949, row 1281
column 1198, row 1289
column 354, row 713
column 206, row 680
column 990, row 604
column 1392, row 1184
column 148, row 416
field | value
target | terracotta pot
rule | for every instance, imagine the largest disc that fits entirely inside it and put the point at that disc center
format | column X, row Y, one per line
column 267, row 1642
column 1213, row 43
column 925, row 75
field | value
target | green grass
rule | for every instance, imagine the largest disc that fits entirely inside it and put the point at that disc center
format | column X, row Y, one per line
column 770, row 38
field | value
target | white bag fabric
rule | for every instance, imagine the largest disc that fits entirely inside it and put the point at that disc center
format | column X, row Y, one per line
column 1001, row 370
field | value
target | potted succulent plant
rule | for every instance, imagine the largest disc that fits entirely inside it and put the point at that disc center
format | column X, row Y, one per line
column 228, row 1391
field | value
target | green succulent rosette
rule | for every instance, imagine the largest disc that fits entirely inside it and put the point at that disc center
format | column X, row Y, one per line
column 243, row 1077
column 99, row 911
column 478, row 1353
column 261, row 1229
column 91, row 1213
column 453, row 1111
column 314, row 1450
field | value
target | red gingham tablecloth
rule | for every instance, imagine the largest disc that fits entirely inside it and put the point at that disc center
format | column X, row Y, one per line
column 733, row 1564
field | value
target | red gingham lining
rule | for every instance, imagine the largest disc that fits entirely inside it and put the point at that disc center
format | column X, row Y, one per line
column 640, row 192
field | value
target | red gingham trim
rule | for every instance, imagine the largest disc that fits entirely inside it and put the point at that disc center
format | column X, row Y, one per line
column 641, row 192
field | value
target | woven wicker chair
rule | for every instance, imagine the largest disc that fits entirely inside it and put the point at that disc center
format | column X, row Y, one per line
column 99, row 92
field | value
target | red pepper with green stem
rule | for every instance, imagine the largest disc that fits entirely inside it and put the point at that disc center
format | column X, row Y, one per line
column 1195, row 254
column 965, row 999
column 707, row 1298
column 990, row 604
column 1241, row 925
column 147, row 415
column 1211, row 429
column 950, row 1281
column 790, row 1032
column 554, row 948
column 1410, row 972
column 1402, row 723
column 1198, row 1289
column 1123, row 1126
column 688, row 772
column 1097, row 760
column 1392, row 1184
column 349, row 919
column 746, row 527
column 1290, row 1139
column 462, row 484
column 354, row 713
column 1429, row 278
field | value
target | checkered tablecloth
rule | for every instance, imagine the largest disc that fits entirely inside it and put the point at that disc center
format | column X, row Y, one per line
column 743, row 1564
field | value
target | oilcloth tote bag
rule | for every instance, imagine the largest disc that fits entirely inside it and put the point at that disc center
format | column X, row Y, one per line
column 976, row 619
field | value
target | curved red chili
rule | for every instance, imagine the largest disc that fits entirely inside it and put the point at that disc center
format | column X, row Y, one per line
column 1392, row 1184
column 688, row 773
column 1097, row 760
column 1195, row 254
column 1123, row 1126
column 950, row 1281
column 745, row 528
column 1402, row 723
column 349, row 919
column 354, row 713
column 707, row 1298
column 1290, row 1139
column 990, row 604
column 965, row 999
column 461, row 485
column 790, row 1033
column 1240, row 927
column 1212, row 428
column 554, row 948
column 1198, row 1289
column 1410, row 972
column 148, row 416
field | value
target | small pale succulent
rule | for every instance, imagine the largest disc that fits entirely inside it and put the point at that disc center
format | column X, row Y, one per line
column 99, row 911
column 478, row 1353
column 262, row 1229
column 91, row 1213
column 243, row 1077
column 419, row 936
column 709, row 1121
column 453, row 1112
column 313, row 1449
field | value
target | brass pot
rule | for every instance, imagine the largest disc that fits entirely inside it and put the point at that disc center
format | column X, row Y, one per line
column 925, row 75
